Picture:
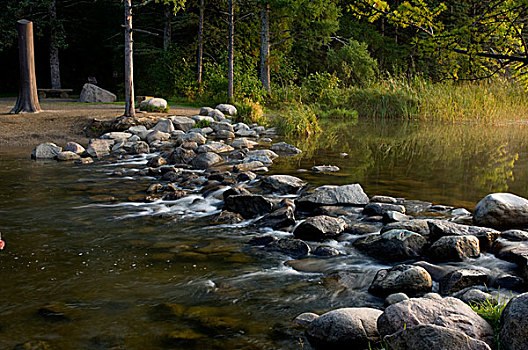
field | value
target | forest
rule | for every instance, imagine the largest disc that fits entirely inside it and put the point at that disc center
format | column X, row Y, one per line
column 413, row 59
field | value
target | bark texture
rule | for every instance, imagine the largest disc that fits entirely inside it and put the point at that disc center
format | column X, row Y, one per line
column 265, row 47
column 167, row 29
column 54, row 47
column 200, row 42
column 230, row 51
column 27, row 97
column 129, row 65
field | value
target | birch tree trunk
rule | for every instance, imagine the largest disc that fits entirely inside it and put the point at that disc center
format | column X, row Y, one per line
column 167, row 30
column 27, row 97
column 200, row 42
column 265, row 47
column 129, row 66
column 54, row 47
column 230, row 52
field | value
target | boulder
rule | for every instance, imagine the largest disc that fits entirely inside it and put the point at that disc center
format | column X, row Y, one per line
column 325, row 169
column 374, row 209
column 68, row 156
column 139, row 130
column 154, row 105
column 418, row 225
column 227, row 109
column 244, row 167
column 193, row 137
column 408, row 279
column 246, row 133
column 242, row 143
column 74, row 147
column 473, row 296
column 448, row 312
column 116, row 135
column 94, row 94
column 290, row 246
column 455, row 248
column 46, row 150
column 282, row 148
column 394, row 245
column 460, row 279
column 283, row 183
column 206, row 160
column 305, row 318
column 181, row 156
column 279, row 218
column 515, row 235
column 216, row 115
column 224, row 134
column 157, row 136
column 326, row 251
column 395, row 298
column 156, row 162
column 263, row 152
column 383, row 199
column 261, row 158
column 218, row 126
column 204, row 111
column 248, row 205
column 514, row 332
column 164, row 125
column 334, row 195
column 319, row 228
column 215, row 147
column 183, row 123
column 98, row 148
column 501, row 211
column 432, row 337
column 346, row 328
column 227, row 217
column 440, row 228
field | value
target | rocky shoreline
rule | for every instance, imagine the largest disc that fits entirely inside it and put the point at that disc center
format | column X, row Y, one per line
column 431, row 249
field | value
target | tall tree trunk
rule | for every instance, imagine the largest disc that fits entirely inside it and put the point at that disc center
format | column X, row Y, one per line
column 200, row 42
column 167, row 29
column 265, row 47
column 230, row 52
column 54, row 47
column 27, row 97
column 129, row 65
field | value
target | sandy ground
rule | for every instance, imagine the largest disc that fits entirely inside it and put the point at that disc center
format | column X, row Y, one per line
column 60, row 121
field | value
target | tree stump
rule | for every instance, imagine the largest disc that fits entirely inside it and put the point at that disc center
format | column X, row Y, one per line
column 27, row 97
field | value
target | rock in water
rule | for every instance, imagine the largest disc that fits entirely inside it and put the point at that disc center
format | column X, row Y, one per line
column 206, row 160
column 347, row 328
column 432, row 337
column 74, row 147
column 514, row 332
column 248, row 205
column 282, row 148
column 393, row 245
column 455, row 248
column 318, row 228
column 462, row 278
column 46, row 150
column 94, row 94
column 283, row 183
column 334, row 195
column 447, row 312
column 502, row 211
column 408, row 279
column 67, row 156
column 98, row 148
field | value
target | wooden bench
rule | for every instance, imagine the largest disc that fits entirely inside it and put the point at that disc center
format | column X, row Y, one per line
column 63, row 93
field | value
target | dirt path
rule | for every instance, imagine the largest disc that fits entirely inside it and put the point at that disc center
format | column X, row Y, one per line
column 61, row 121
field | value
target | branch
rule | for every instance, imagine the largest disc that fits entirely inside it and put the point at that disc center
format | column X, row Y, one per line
column 495, row 56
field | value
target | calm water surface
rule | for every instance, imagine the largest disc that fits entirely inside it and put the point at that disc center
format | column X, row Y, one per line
column 157, row 276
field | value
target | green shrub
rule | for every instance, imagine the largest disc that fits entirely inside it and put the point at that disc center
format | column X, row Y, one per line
column 491, row 311
column 250, row 112
column 297, row 119
column 352, row 64
column 338, row 114
column 320, row 88
column 202, row 124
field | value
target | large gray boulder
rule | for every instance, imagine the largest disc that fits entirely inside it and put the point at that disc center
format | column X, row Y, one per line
column 215, row 147
column 193, row 137
column 46, row 150
column 347, row 328
column 462, row 278
column 227, row 109
column 283, row 183
column 94, row 94
column 408, row 279
column 154, row 104
column 393, row 245
column 183, row 123
column 206, row 160
column 448, row 312
column 334, row 195
column 164, row 125
column 432, row 337
column 441, row 228
column 501, row 211
column 318, row 228
column 98, row 148
column 279, row 218
column 514, row 332
column 419, row 226
column 455, row 248
column 283, row 148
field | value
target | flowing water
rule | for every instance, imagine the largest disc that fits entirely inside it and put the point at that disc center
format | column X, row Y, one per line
column 82, row 270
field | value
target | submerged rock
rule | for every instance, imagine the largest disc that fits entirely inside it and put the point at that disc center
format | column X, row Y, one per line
column 74, row 147
column 248, row 205
column 279, row 218
column 347, row 328
column 283, row 183
column 325, row 168
column 295, row 248
column 282, row 148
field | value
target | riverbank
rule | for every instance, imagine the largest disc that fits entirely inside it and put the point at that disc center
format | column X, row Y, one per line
column 60, row 121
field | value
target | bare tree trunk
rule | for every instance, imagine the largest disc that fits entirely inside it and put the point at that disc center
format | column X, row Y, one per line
column 230, row 52
column 129, row 65
column 167, row 30
column 27, row 97
column 200, row 42
column 54, row 47
column 265, row 47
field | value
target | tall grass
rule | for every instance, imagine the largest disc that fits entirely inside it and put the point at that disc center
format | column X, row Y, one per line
column 297, row 119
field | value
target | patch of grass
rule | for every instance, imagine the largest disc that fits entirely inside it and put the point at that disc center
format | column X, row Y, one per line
column 491, row 311
column 297, row 119
column 338, row 114
column 154, row 109
column 250, row 112
column 202, row 124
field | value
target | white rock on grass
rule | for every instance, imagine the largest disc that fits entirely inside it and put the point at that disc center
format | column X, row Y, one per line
column 154, row 105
